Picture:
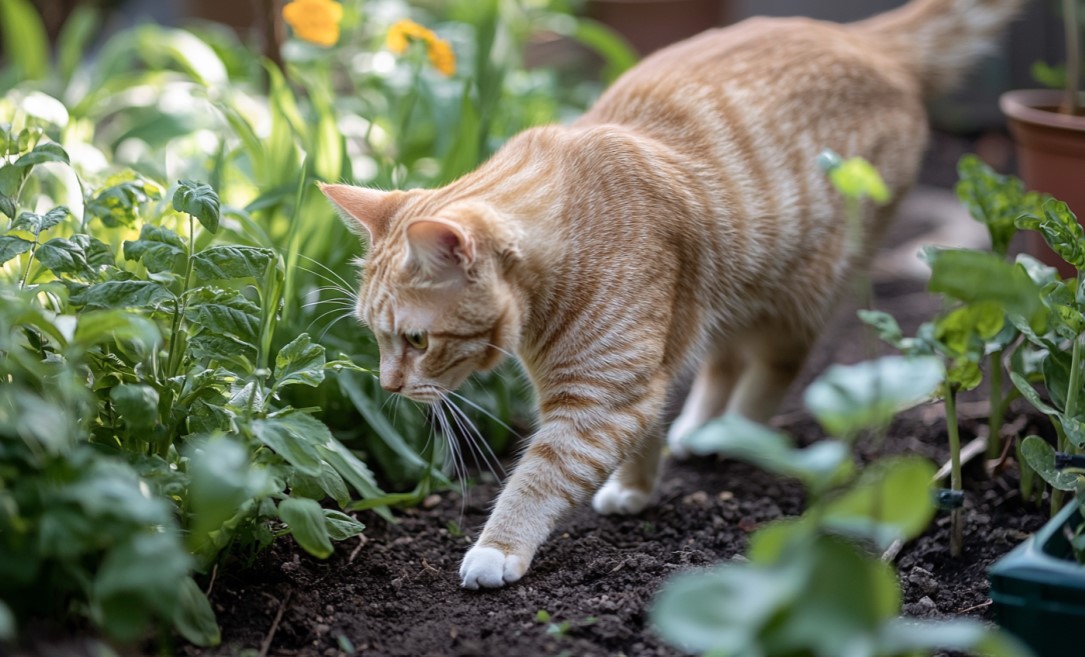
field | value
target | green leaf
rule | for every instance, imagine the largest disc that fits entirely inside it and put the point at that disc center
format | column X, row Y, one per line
column 965, row 330
column 63, row 256
column 305, row 519
column 198, row 200
column 122, row 294
column 38, row 223
column 890, row 501
column 11, row 246
column 117, row 204
column 293, row 437
column 96, row 327
column 299, row 362
column 194, row 619
column 222, row 479
column 226, row 350
column 224, row 312
column 1060, row 230
column 977, row 276
column 732, row 435
column 1041, row 458
column 370, row 411
column 1030, row 394
column 229, row 262
column 857, row 179
column 7, row 205
column 351, row 468
column 912, row 636
column 994, row 200
column 136, row 403
column 340, row 525
column 25, row 42
column 49, row 151
column 158, row 248
column 849, row 398
column 98, row 253
column 885, row 325
column 141, row 575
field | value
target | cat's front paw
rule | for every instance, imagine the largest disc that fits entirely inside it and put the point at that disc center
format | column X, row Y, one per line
column 613, row 497
column 682, row 427
column 490, row 568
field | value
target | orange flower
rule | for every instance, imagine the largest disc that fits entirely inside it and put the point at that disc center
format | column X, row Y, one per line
column 316, row 21
column 438, row 50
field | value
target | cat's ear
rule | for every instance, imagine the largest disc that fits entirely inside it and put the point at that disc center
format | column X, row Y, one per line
column 442, row 249
column 362, row 208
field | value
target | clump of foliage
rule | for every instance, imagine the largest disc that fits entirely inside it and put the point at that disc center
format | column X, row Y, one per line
column 167, row 399
column 814, row 585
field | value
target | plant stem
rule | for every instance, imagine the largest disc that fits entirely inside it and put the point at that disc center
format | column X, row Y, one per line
column 1070, row 103
column 29, row 261
column 1075, row 379
column 994, row 420
column 956, row 539
column 174, row 360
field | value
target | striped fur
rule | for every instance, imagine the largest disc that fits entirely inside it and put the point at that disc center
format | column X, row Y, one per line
column 682, row 222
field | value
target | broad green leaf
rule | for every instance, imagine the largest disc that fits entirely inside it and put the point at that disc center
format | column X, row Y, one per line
column 1041, row 458
column 194, row 619
column 11, row 246
column 224, row 312
column 1061, row 231
column 198, row 200
column 975, row 276
column 890, row 501
column 609, row 44
column 25, row 42
column 340, row 525
column 818, row 466
column 7, row 205
column 11, row 179
column 912, row 636
column 306, row 521
column 849, row 398
column 293, row 437
column 122, row 294
column 141, row 575
column 221, row 480
column 226, row 350
column 299, row 362
column 371, row 412
column 160, row 249
column 96, row 327
column 966, row 329
column 98, row 253
column 136, row 403
column 328, row 484
column 74, row 38
column 44, row 152
column 38, row 223
column 885, row 325
column 354, row 470
column 1056, row 366
column 63, row 256
column 229, row 262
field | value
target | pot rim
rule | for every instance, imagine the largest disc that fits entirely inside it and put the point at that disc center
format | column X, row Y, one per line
column 1024, row 105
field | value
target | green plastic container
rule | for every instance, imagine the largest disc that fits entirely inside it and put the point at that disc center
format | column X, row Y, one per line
column 1038, row 590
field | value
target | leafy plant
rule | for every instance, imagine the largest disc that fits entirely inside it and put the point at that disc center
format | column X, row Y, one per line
column 811, row 585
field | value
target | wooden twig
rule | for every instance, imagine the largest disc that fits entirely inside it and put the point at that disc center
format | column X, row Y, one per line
column 211, row 584
column 974, row 448
column 274, row 625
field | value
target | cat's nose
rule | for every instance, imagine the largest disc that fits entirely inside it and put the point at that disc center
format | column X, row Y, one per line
column 392, row 387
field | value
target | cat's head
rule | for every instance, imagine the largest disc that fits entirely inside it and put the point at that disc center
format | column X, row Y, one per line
column 435, row 289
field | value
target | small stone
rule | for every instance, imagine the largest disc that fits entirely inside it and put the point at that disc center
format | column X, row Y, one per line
column 321, row 628
column 726, row 495
column 431, row 501
column 329, row 610
column 924, row 580
column 700, row 498
column 927, row 605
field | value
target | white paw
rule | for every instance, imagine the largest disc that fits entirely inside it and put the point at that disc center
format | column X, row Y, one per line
column 682, row 427
column 616, row 498
column 490, row 568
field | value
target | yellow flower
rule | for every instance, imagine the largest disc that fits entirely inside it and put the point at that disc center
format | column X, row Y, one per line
column 316, row 21
column 438, row 50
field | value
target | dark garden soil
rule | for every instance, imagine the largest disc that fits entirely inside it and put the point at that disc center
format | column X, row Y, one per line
column 396, row 590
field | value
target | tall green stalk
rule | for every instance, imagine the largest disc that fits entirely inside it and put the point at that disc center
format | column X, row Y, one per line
column 956, row 538
column 994, row 420
column 173, row 362
column 1057, row 496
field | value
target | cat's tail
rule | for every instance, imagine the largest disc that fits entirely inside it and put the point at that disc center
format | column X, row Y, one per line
column 941, row 39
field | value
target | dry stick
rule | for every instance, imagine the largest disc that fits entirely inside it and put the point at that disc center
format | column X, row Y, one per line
column 274, row 625
column 211, row 584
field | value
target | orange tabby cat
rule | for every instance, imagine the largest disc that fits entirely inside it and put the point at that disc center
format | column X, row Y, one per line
column 681, row 222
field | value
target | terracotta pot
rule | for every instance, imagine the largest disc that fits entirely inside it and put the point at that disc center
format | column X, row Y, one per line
column 1050, row 154
column 652, row 24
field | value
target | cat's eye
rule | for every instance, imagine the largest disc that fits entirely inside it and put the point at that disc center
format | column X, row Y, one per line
column 417, row 340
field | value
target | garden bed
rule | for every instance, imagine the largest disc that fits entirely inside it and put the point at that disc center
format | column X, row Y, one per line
column 396, row 592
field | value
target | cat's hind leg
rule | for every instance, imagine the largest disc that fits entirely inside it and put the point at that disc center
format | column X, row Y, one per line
column 708, row 395
column 775, row 356
column 629, row 489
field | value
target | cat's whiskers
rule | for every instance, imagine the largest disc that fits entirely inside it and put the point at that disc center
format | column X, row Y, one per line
column 474, row 437
column 346, row 285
